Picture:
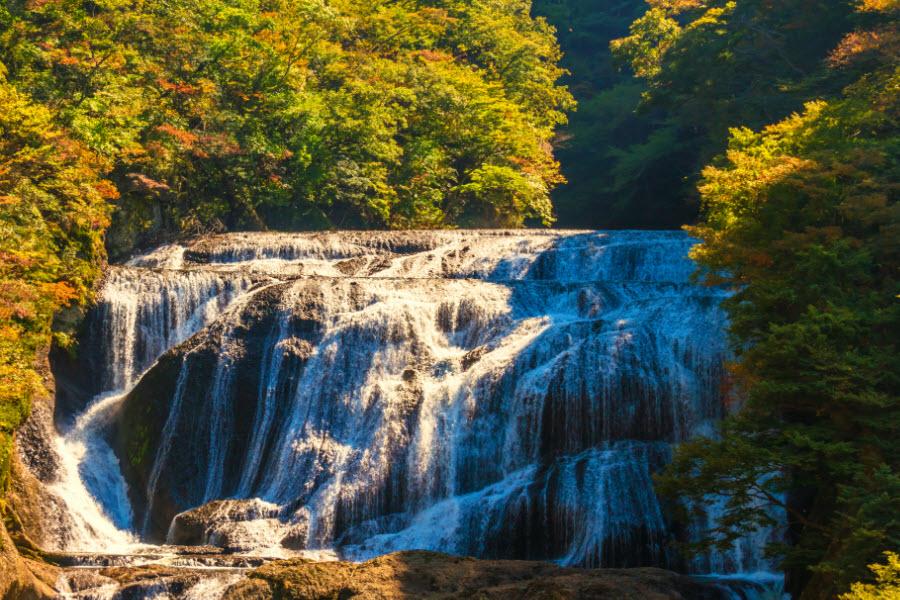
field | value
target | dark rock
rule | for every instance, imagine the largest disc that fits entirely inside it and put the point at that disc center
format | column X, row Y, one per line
column 138, row 583
column 473, row 356
column 351, row 266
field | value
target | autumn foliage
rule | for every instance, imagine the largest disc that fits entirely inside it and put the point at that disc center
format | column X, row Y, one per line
column 125, row 123
column 54, row 208
column 236, row 114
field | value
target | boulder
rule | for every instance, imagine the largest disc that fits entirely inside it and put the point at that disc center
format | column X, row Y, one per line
column 22, row 578
column 237, row 526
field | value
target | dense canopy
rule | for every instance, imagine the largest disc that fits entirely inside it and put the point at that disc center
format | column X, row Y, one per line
column 247, row 114
column 800, row 218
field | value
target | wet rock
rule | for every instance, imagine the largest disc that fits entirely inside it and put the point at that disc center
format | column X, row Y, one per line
column 473, row 356
column 142, row 419
column 236, row 526
column 140, row 574
column 40, row 515
column 86, row 583
column 351, row 266
column 296, row 536
column 138, row 583
column 188, row 550
column 184, row 555
column 296, row 347
column 242, row 340
column 90, row 559
column 34, row 441
column 196, row 580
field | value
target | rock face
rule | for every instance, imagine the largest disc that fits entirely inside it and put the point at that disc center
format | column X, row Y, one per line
column 427, row 575
column 29, row 515
column 22, row 578
column 199, row 573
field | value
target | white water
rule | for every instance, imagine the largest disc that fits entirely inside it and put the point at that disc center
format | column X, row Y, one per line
column 211, row 589
column 89, row 469
column 143, row 317
column 486, row 393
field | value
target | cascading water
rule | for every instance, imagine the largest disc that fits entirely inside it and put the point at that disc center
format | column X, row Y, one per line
column 497, row 394
column 141, row 314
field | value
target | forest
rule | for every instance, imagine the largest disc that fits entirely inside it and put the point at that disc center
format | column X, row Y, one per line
column 767, row 128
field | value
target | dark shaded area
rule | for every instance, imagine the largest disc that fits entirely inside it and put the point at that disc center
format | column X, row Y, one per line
column 634, row 149
column 622, row 165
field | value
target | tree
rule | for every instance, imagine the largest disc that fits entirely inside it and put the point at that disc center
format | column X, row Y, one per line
column 622, row 163
column 708, row 65
column 801, row 220
column 238, row 114
column 53, row 210
column 887, row 585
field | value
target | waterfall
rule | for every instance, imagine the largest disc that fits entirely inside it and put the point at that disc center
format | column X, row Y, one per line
column 500, row 394
column 140, row 314
column 143, row 312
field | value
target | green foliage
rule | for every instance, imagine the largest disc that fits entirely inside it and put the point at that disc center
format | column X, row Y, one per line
column 507, row 195
column 801, row 220
column 887, row 582
column 249, row 113
column 717, row 64
column 53, row 210
column 703, row 67
column 634, row 150
column 650, row 37
column 618, row 172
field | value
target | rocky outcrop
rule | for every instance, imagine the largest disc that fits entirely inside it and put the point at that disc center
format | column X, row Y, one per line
column 191, row 573
column 428, row 575
column 23, row 578
column 34, row 465
column 35, row 512
column 147, row 581
column 150, row 423
column 28, row 513
column 237, row 526
column 142, row 419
